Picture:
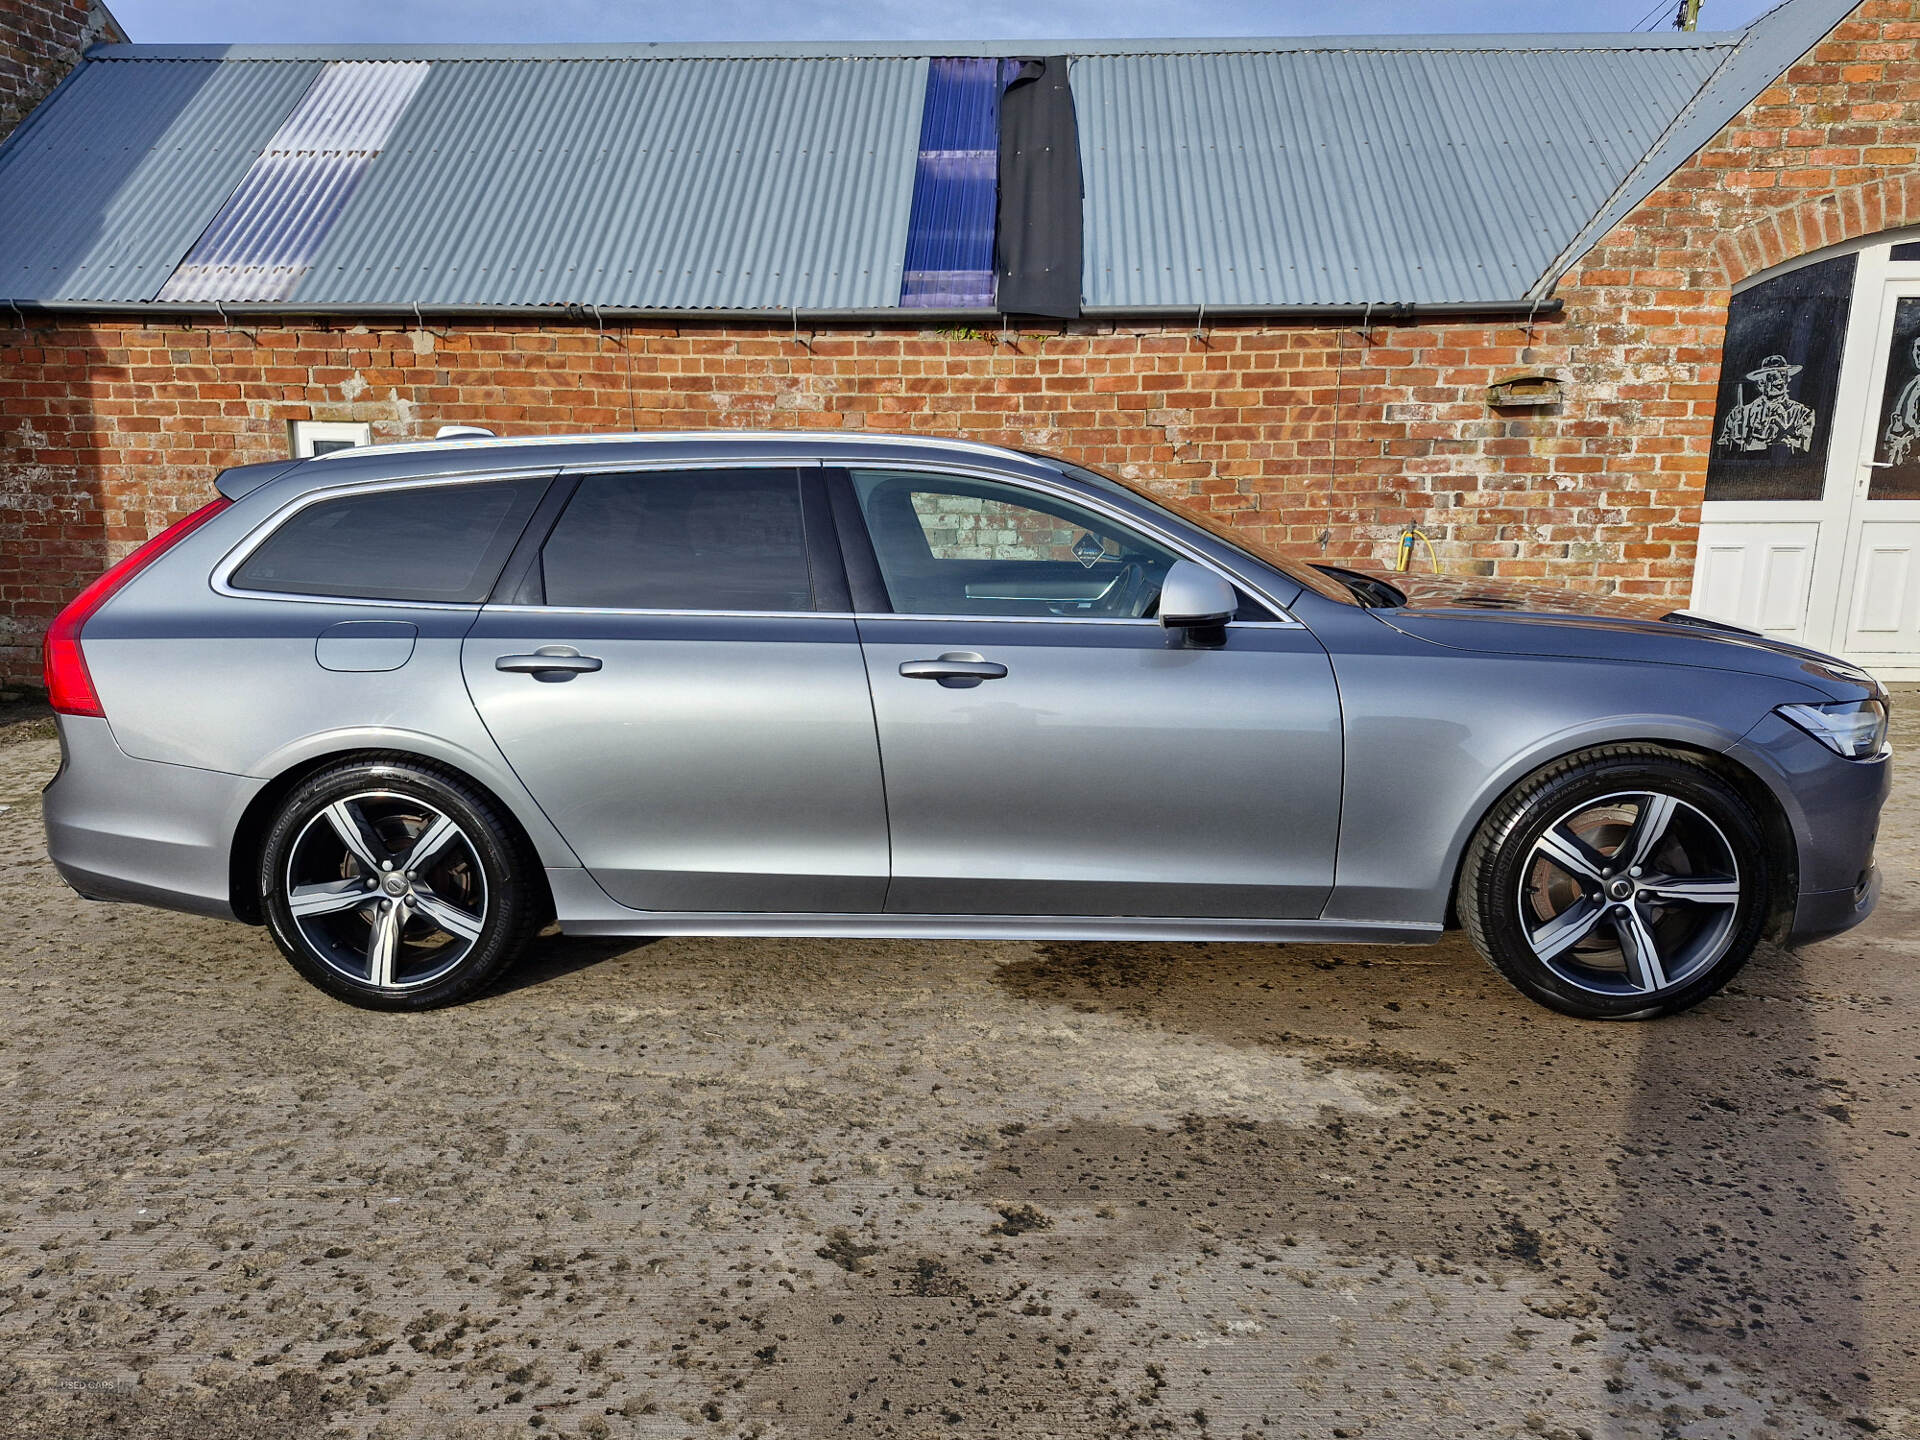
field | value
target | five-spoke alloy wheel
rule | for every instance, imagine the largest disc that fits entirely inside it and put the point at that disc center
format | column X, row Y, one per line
column 394, row 885
column 1622, row 883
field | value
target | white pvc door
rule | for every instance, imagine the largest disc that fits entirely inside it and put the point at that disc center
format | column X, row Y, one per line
column 1811, row 527
column 1758, row 573
column 1881, row 623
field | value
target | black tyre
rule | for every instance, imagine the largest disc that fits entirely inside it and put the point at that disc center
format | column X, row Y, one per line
column 1618, row 884
column 392, row 884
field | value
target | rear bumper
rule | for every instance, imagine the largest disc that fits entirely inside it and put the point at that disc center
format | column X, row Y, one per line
column 138, row 830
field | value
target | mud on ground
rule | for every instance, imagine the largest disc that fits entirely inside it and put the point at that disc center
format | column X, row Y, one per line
column 828, row 1188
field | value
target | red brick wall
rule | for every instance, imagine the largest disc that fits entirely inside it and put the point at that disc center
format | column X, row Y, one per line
column 39, row 42
column 109, row 429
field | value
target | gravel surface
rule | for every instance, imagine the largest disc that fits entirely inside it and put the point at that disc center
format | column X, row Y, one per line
column 810, row 1188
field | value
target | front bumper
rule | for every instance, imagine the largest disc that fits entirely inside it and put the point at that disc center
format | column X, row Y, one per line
column 139, row 830
column 1820, row 913
column 1833, row 806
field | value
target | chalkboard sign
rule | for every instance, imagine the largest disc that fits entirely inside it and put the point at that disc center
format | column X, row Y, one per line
column 1779, row 373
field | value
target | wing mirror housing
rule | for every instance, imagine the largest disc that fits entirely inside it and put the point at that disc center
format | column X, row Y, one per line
column 1192, row 597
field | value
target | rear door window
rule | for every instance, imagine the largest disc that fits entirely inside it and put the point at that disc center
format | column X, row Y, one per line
column 442, row 543
column 681, row 540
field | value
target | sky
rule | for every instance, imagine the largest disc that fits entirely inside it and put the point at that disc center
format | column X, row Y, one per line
column 532, row 21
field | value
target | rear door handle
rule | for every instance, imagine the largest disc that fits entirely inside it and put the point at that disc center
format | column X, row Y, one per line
column 549, row 662
column 956, row 668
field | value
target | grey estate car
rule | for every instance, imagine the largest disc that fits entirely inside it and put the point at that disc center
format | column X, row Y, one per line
column 407, row 704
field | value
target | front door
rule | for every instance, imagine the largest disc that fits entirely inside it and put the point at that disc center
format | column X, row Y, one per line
column 1811, row 527
column 681, row 689
column 1050, row 749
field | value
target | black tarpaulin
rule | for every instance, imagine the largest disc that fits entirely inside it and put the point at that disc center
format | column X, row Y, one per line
column 1037, row 239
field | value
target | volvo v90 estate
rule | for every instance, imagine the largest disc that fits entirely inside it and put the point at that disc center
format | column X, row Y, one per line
column 405, row 705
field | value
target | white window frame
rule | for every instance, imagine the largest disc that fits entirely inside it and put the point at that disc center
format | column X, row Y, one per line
column 304, row 434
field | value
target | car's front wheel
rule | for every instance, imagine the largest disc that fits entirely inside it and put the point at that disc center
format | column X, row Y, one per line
column 394, row 885
column 1621, row 883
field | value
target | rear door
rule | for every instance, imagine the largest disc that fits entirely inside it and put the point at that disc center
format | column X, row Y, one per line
column 1049, row 748
column 674, row 673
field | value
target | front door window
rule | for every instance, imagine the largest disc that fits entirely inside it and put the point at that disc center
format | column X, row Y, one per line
column 953, row 545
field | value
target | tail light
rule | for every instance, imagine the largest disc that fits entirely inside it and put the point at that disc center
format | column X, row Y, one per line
column 69, row 687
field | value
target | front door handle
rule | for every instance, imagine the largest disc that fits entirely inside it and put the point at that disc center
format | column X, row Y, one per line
column 957, row 669
column 549, row 662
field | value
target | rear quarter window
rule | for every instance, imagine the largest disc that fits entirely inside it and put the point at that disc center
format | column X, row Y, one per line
column 443, row 543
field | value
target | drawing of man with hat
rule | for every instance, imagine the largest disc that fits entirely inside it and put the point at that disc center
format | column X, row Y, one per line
column 1903, row 421
column 1772, row 417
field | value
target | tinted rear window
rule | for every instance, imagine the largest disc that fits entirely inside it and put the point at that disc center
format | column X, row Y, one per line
column 430, row 542
column 681, row 540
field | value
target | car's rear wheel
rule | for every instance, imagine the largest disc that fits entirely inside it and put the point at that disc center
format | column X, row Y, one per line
column 394, row 885
column 1622, row 883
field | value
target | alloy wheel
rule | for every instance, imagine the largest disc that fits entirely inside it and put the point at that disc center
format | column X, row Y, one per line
column 1630, row 894
column 386, row 889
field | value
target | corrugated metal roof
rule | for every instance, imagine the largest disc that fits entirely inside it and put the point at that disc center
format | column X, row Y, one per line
column 1357, row 176
column 260, row 244
column 105, row 188
column 1314, row 171
column 728, row 184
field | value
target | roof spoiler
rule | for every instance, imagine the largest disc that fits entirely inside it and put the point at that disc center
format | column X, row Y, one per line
column 245, row 479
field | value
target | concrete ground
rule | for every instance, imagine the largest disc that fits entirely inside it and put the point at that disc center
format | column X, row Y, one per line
column 823, row 1188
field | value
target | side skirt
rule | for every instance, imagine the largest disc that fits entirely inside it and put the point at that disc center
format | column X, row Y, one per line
column 584, row 909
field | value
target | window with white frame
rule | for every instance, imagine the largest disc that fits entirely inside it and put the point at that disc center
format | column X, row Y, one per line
column 317, row 437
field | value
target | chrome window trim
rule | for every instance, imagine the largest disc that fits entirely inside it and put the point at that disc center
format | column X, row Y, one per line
column 505, row 608
column 515, row 608
column 222, row 577
column 254, row 538
column 1064, row 491
column 1287, row 624
column 237, row 556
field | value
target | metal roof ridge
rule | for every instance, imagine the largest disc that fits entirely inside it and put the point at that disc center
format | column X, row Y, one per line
column 1560, row 42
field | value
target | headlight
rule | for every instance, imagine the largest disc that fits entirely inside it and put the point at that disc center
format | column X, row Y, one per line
column 1856, row 729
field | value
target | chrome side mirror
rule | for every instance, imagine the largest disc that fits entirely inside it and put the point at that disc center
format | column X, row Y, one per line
column 1193, row 597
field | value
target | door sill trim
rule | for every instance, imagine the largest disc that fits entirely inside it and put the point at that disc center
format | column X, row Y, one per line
column 585, row 909
column 1001, row 927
